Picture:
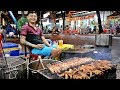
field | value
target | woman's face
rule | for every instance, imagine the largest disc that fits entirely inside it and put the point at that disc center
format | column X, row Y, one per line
column 32, row 17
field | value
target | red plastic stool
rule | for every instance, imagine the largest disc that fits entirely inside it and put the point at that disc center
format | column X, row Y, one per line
column 1, row 37
column 35, row 57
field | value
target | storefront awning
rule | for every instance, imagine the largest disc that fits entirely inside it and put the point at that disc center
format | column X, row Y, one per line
column 116, row 13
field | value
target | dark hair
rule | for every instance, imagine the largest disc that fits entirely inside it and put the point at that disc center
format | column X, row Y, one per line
column 29, row 12
column 3, row 27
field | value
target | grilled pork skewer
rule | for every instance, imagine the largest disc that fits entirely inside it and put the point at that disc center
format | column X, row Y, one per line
column 68, row 64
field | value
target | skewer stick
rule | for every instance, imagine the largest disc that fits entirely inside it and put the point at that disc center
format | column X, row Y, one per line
column 39, row 57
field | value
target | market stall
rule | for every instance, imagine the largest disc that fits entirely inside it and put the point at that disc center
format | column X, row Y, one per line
column 78, row 51
column 84, row 55
column 81, row 23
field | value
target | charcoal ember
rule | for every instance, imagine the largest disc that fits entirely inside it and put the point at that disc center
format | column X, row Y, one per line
column 111, row 73
column 48, row 73
column 107, row 74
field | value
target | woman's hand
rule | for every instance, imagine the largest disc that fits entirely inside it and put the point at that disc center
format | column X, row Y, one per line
column 39, row 46
column 45, row 41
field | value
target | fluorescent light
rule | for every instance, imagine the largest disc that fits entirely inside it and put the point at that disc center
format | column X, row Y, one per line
column 46, row 14
column 25, row 12
column 58, row 12
column 19, row 12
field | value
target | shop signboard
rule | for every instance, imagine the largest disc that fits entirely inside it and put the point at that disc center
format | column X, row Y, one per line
column 81, row 18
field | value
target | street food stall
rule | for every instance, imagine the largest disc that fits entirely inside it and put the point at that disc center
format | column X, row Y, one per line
column 80, row 59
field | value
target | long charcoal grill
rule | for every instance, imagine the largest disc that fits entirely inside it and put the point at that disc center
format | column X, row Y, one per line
column 107, row 74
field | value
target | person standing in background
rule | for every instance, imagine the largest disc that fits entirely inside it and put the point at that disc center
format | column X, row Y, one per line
column 94, row 29
column 67, row 27
column 117, row 29
column 70, row 27
column 79, row 29
column 3, row 32
column 60, row 29
column 46, row 30
column 55, row 30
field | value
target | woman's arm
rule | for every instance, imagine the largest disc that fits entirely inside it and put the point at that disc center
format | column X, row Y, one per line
column 24, row 42
column 45, row 41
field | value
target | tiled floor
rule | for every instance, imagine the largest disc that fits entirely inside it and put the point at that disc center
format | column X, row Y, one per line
column 115, row 49
column 116, row 54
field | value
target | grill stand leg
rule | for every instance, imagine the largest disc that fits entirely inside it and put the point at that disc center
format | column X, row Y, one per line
column 27, row 61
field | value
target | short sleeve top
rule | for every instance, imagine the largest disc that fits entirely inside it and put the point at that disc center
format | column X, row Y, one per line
column 27, row 29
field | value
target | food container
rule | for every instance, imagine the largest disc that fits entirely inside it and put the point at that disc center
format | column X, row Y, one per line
column 11, row 48
column 103, row 39
column 60, row 42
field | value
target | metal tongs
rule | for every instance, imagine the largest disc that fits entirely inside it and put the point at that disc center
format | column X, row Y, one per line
column 41, row 62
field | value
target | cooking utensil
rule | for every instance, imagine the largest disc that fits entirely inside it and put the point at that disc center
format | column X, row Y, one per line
column 39, row 57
